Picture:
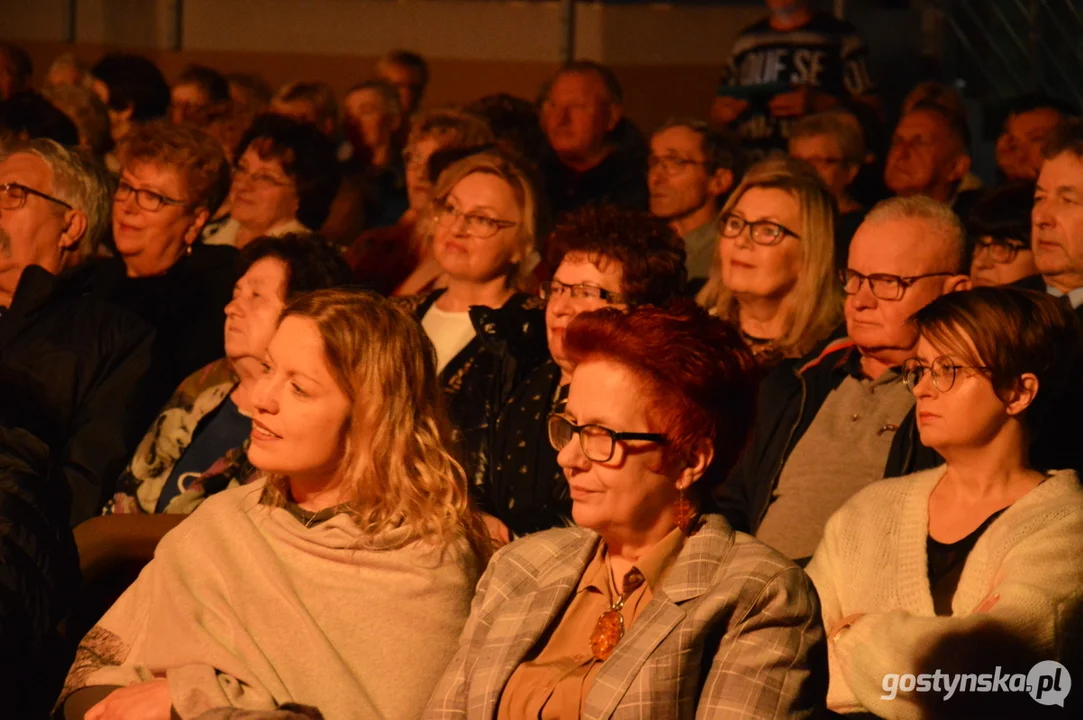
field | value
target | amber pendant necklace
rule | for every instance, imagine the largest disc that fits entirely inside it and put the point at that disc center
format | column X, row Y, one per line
column 610, row 626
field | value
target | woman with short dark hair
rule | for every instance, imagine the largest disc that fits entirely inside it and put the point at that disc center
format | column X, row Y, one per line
column 999, row 228
column 975, row 563
column 601, row 256
column 284, row 180
column 652, row 606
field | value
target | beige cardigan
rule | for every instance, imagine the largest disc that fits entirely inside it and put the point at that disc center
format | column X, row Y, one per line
column 872, row 560
column 243, row 606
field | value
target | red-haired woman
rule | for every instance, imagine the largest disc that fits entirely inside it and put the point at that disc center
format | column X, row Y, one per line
column 653, row 601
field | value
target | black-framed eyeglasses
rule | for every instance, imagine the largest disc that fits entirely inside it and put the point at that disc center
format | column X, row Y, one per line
column 259, row 179
column 762, row 232
column 597, row 441
column 671, row 164
column 555, row 288
column 1000, row 251
column 13, row 196
column 943, row 370
column 883, row 286
column 480, row 226
column 147, row 199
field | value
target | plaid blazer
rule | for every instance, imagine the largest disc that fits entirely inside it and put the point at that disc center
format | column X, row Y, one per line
column 733, row 632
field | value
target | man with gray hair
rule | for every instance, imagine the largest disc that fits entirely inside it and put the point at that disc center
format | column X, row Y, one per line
column 71, row 365
column 836, row 420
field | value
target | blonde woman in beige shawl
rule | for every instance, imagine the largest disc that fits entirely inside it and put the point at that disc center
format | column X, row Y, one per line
column 341, row 578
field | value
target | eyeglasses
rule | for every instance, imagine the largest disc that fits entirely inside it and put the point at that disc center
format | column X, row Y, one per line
column 943, row 370
column 555, row 288
column 883, row 286
column 480, row 226
column 147, row 199
column 1000, row 251
column 598, row 442
column 671, row 164
column 762, row 232
column 13, row 196
column 260, row 179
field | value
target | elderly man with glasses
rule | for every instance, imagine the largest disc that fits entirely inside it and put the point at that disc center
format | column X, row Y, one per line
column 70, row 364
column 71, row 403
column 840, row 418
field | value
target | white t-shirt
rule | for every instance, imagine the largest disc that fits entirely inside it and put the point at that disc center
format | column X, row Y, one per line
column 450, row 332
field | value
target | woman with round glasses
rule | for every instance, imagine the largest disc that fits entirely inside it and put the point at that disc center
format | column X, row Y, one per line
column 172, row 180
column 776, row 257
column 284, row 181
column 975, row 563
column 653, row 606
column 604, row 257
column 484, row 218
column 999, row 227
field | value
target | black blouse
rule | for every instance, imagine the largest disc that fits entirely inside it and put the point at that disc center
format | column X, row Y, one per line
column 946, row 561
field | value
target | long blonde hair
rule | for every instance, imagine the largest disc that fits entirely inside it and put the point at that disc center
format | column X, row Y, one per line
column 814, row 307
column 396, row 471
column 514, row 171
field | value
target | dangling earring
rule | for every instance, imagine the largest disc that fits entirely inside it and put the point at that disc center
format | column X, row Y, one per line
column 188, row 250
column 683, row 511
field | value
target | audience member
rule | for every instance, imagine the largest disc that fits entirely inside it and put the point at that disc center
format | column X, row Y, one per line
column 832, row 143
column 946, row 97
column 996, row 540
column 486, row 216
column 397, row 259
column 603, row 257
column 16, row 70
column 690, row 172
column 837, row 413
column 1057, row 237
column 308, row 102
column 87, row 112
column 703, row 621
column 359, row 505
column 514, row 122
column 198, row 94
column 999, row 227
column 1029, row 122
column 776, row 279
column 68, row 70
column 249, row 94
column 133, row 89
column 72, row 366
column 930, row 155
column 581, row 115
column 173, row 178
column 197, row 445
column 29, row 115
column 409, row 74
column 284, row 182
column 373, row 190
column 39, row 572
column 793, row 62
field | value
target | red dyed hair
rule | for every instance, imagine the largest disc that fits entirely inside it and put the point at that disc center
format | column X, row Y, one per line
column 700, row 379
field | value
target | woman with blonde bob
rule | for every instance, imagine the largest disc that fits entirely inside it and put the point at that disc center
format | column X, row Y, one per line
column 774, row 275
column 484, row 217
column 340, row 578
